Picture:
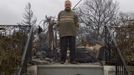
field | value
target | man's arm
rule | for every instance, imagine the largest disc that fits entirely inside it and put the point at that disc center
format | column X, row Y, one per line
column 76, row 19
column 58, row 19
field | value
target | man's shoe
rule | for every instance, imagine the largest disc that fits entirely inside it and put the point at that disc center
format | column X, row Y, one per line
column 73, row 62
column 62, row 62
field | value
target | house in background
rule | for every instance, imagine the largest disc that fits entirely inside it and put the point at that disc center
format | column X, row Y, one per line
column 90, row 42
column 89, row 48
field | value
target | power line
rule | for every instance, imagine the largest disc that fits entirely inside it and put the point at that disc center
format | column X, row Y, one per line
column 77, row 4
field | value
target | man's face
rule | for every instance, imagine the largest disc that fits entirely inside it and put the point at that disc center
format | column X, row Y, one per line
column 68, row 6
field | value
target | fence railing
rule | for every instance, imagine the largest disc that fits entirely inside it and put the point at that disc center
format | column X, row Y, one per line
column 115, row 55
column 27, row 55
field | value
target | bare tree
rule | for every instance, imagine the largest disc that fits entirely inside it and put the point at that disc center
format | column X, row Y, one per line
column 125, row 40
column 97, row 13
column 29, row 18
column 124, row 19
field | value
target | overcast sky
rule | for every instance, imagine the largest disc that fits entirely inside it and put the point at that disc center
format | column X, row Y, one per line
column 11, row 11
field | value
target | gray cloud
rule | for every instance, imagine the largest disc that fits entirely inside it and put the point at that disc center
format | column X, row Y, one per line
column 11, row 11
column 126, row 5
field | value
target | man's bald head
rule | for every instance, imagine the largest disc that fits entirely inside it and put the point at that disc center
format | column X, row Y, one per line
column 68, row 5
column 67, row 2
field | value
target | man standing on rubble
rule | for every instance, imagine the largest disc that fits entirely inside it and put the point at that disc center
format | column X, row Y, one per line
column 68, row 26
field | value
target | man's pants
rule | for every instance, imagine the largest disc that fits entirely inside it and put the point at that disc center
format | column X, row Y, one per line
column 65, row 43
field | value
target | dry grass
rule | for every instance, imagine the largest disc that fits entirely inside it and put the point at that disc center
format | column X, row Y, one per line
column 10, row 52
